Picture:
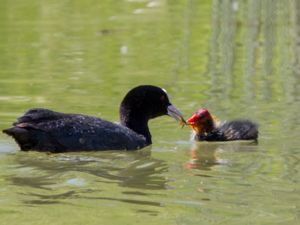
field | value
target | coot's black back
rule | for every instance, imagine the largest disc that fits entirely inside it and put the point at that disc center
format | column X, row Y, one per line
column 46, row 130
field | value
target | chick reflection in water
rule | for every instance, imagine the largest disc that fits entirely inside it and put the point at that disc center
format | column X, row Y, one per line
column 204, row 156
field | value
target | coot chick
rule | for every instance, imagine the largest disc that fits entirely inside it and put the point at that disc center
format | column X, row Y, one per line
column 207, row 128
column 45, row 130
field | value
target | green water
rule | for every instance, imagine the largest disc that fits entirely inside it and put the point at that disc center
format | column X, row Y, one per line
column 240, row 59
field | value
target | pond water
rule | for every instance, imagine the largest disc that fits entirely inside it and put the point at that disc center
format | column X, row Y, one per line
column 240, row 59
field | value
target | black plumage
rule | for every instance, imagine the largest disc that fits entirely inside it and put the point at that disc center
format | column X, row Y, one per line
column 46, row 130
column 230, row 131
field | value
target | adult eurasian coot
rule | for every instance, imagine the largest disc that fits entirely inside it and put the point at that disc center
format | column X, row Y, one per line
column 207, row 128
column 46, row 130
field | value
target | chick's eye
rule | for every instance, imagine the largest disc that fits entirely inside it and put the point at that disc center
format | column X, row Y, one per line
column 162, row 98
column 201, row 116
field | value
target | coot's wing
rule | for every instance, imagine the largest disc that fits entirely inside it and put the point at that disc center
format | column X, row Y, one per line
column 45, row 130
column 37, row 115
column 77, row 132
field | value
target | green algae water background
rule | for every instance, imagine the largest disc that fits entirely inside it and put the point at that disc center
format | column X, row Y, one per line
column 240, row 59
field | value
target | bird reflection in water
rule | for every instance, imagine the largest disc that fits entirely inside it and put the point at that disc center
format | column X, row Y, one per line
column 204, row 156
column 127, row 169
column 58, row 178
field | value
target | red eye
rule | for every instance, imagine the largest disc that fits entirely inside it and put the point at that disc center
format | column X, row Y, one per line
column 201, row 116
column 202, row 113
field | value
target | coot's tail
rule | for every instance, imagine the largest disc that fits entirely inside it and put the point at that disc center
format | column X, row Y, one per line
column 30, row 138
column 21, row 136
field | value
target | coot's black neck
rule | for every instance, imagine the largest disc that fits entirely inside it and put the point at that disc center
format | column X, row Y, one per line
column 140, row 105
column 138, row 125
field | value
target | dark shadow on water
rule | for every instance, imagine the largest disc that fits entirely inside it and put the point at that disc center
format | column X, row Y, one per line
column 44, row 199
column 39, row 182
column 131, row 201
column 40, row 202
column 149, row 212
column 65, row 195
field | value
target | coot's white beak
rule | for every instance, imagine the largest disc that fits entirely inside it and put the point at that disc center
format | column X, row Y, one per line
column 175, row 113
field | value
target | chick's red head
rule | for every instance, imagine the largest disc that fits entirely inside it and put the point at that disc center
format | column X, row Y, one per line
column 200, row 121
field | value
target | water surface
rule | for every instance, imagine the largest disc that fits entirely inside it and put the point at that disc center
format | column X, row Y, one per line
column 240, row 59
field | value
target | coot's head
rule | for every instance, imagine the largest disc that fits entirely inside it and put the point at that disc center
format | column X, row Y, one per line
column 201, row 121
column 146, row 102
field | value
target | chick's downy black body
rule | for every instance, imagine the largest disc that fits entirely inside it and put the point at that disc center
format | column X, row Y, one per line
column 46, row 130
column 230, row 131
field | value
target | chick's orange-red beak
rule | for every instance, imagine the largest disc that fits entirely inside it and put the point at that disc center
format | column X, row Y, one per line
column 201, row 121
column 193, row 121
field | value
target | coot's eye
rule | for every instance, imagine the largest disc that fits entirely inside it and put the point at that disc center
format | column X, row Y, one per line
column 162, row 98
